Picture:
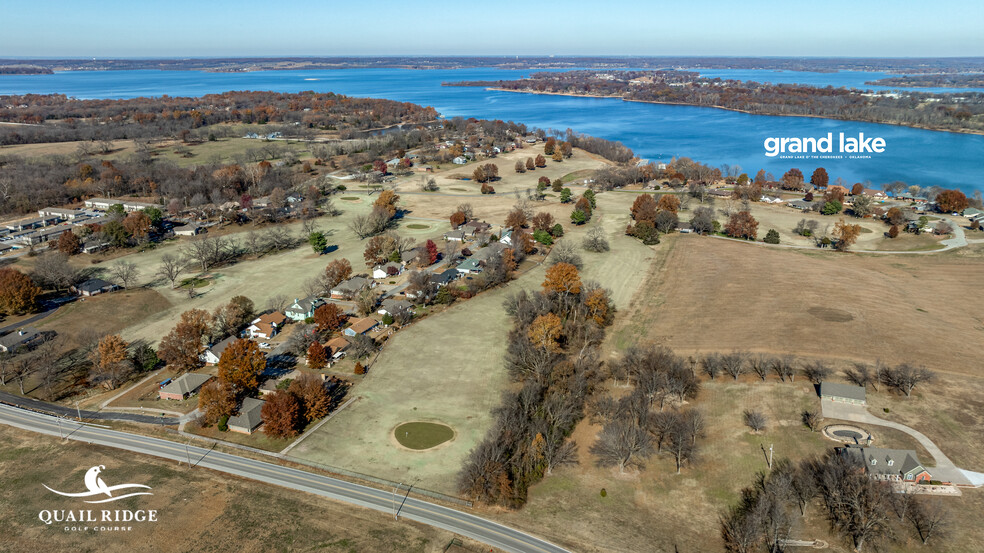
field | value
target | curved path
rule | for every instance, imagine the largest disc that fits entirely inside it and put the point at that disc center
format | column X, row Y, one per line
column 464, row 524
column 945, row 469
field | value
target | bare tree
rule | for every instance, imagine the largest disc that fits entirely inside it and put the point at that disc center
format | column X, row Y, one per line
column 754, row 420
column 759, row 364
column 564, row 252
column 905, row 377
column 816, row 372
column 930, row 518
column 710, row 364
column 622, row 443
column 783, row 367
column 365, row 302
column 596, row 241
column 860, row 375
column 812, row 419
column 734, row 363
column 126, row 272
column 170, row 268
column 277, row 302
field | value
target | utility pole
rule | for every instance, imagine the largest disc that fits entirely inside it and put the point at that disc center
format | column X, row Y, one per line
column 395, row 515
column 79, row 411
column 59, row 427
column 770, row 456
column 188, row 455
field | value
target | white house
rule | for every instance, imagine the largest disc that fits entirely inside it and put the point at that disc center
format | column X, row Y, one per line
column 387, row 270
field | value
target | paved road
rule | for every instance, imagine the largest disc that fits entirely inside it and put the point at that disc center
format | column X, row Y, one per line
column 29, row 321
column 485, row 531
column 945, row 469
column 71, row 412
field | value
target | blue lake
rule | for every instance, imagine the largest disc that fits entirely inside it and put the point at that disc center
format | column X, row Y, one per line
column 655, row 132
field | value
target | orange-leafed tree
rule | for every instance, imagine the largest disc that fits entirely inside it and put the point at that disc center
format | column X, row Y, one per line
column 545, row 332
column 846, row 235
column 644, row 208
column 524, row 242
column 281, row 414
column 216, row 400
column 895, row 216
column 18, row 293
column 387, row 200
column 583, row 205
column 742, row 225
column 314, row 397
column 138, row 224
column 432, row 252
column 540, row 161
column 516, row 219
column 458, row 218
column 563, row 278
column 328, row 317
column 241, row 365
column 599, row 307
column 530, row 165
column 113, row 364
column 69, row 244
column 181, row 347
column 857, row 189
column 317, row 357
column 337, row 271
column 668, row 202
column 509, row 259
column 951, row 201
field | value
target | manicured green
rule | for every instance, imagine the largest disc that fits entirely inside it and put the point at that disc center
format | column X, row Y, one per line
column 422, row 435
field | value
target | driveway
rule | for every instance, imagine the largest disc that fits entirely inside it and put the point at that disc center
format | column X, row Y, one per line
column 945, row 469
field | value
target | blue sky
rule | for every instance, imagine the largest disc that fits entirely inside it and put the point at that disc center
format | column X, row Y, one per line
column 138, row 28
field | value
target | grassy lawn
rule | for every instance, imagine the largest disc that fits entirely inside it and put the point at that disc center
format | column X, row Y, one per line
column 198, row 510
column 422, row 435
column 257, row 439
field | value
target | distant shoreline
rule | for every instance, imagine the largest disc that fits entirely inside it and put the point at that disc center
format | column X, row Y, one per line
column 725, row 108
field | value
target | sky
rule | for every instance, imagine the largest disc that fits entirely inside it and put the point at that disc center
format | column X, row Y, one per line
column 209, row 28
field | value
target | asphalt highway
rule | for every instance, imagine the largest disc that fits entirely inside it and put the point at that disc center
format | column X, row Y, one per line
column 386, row 501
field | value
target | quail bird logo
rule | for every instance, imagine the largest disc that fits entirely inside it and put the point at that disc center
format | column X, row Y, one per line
column 94, row 483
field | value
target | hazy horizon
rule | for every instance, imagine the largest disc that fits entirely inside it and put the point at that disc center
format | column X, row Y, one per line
column 250, row 28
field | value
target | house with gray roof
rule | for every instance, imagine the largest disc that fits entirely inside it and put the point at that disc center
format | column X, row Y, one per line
column 303, row 308
column 394, row 307
column 348, row 289
column 184, row 386
column 94, row 287
column 842, row 393
column 894, row 465
column 250, row 416
column 214, row 353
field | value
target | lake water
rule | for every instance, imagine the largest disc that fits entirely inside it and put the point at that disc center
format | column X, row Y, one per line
column 655, row 132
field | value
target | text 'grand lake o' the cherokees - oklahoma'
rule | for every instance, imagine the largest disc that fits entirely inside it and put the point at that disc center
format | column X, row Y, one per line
column 859, row 147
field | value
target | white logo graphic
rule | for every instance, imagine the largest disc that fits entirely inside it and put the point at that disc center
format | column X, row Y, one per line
column 97, row 487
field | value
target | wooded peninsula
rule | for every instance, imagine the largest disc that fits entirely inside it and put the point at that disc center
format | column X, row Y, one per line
column 943, row 112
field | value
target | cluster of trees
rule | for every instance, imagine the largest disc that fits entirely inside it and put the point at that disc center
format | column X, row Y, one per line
column 865, row 511
column 653, row 217
column 384, row 210
column 306, row 399
column 115, row 361
column 649, row 420
column 486, row 172
column 583, row 207
column 180, row 348
column 552, row 355
column 944, row 112
column 58, row 118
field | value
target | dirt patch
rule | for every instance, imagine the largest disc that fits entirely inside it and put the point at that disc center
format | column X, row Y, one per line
column 830, row 314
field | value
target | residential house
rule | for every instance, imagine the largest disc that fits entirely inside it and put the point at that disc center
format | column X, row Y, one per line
column 394, row 307
column 460, row 160
column 266, row 326
column 249, row 418
column 455, row 235
column 800, row 204
column 842, row 393
column 187, row 230
column 893, row 465
column 19, row 338
column 94, row 287
column 973, row 213
column 684, row 227
column 876, row 194
column 473, row 228
column 445, row 277
column 387, row 270
column 336, row 346
column 214, row 353
column 94, row 245
column 470, row 266
column 348, row 289
column 303, row 309
column 361, row 326
column 184, row 386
